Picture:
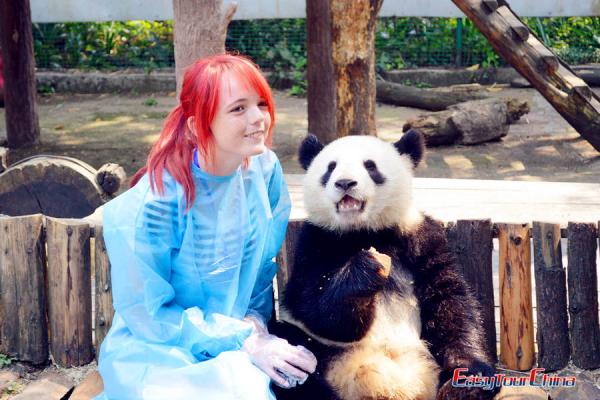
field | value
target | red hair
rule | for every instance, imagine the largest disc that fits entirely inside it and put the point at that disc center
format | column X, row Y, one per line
column 199, row 98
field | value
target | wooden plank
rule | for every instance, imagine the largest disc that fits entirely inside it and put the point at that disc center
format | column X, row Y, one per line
column 507, row 201
column 69, row 292
column 89, row 388
column 583, row 295
column 43, row 389
column 516, row 313
column 551, row 295
column 23, row 326
column 103, row 291
column 471, row 241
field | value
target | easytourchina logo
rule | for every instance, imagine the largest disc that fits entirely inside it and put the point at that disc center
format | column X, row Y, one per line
column 536, row 377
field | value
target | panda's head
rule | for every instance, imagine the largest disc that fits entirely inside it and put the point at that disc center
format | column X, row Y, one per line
column 361, row 182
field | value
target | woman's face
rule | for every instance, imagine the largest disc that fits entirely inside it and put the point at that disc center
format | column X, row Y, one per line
column 240, row 124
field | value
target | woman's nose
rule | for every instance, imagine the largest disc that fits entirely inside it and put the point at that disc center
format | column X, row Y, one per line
column 256, row 115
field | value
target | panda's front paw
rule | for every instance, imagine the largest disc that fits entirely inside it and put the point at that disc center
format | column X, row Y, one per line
column 366, row 272
column 481, row 368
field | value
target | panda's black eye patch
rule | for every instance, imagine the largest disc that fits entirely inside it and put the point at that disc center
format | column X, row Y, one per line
column 370, row 165
column 374, row 173
column 327, row 175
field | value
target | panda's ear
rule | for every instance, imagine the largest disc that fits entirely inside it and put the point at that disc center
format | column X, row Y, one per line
column 412, row 143
column 309, row 148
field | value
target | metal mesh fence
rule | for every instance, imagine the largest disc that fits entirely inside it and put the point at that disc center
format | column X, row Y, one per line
column 279, row 45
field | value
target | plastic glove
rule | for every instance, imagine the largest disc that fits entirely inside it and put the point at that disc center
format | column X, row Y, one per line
column 285, row 364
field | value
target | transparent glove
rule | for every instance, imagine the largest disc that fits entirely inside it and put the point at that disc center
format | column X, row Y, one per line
column 286, row 365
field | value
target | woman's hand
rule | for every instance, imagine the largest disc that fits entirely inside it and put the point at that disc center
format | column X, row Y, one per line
column 285, row 364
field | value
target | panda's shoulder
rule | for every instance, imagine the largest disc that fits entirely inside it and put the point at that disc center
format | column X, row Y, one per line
column 430, row 236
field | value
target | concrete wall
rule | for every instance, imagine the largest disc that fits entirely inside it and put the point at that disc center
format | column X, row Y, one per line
column 107, row 10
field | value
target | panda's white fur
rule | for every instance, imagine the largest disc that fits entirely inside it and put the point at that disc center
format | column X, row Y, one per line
column 393, row 205
column 391, row 361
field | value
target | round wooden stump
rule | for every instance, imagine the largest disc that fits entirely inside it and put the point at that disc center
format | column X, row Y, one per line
column 55, row 186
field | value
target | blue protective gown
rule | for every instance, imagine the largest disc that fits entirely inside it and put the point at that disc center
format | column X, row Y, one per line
column 183, row 282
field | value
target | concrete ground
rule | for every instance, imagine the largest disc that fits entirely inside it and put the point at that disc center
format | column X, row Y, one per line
column 105, row 128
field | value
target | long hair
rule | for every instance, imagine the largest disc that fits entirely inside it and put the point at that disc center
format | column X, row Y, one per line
column 199, row 98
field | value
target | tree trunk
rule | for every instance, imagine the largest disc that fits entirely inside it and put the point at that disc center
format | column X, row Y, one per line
column 341, row 67
column 200, row 30
column 435, row 99
column 512, row 40
column 16, row 41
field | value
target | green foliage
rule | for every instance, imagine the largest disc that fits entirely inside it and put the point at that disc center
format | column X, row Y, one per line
column 5, row 360
column 279, row 45
column 150, row 102
column 104, row 45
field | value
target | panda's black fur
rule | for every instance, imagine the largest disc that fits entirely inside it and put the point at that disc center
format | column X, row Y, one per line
column 336, row 299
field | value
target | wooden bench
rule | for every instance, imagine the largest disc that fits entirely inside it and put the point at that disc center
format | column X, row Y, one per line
column 54, row 274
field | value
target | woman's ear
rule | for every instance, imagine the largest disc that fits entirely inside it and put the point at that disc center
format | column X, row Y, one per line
column 191, row 124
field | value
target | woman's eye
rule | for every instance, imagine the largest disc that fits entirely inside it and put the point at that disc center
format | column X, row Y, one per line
column 237, row 109
column 263, row 104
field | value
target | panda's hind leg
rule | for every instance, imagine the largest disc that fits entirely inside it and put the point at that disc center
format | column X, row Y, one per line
column 384, row 374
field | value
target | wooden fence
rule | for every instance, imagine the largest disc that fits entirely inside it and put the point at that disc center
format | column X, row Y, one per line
column 48, row 267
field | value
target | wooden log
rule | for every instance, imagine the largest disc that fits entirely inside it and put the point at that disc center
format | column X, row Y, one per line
column 55, row 186
column 16, row 46
column 527, row 58
column 469, row 123
column 104, row 311
column 23, row 326
column 69, row 292
column 471, row 241
column 551, row 295
column 199, row 30
column 516, row 313
column 583, row 295
column 589, row 73
column 434, row 99
column 111, row 177
column 341, row 96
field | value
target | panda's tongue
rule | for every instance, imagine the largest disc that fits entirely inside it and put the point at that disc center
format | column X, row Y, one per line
column 349, row 204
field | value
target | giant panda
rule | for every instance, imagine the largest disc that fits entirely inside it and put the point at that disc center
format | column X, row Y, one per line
column 378, row 332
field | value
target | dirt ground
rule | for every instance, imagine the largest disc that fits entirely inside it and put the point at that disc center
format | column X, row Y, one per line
column 120, row 128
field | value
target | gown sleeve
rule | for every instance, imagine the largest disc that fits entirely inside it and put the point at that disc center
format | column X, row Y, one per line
column 141, row 236
column 261, row 302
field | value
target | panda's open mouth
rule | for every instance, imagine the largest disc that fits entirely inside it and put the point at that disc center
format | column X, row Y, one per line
column 349, row 204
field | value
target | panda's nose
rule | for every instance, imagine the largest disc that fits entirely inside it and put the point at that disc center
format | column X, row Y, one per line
column 345, row 184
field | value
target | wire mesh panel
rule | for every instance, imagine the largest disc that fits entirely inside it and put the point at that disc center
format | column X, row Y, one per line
column 279, row 44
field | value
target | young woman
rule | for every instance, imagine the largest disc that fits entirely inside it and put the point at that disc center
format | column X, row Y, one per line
column 191, row 247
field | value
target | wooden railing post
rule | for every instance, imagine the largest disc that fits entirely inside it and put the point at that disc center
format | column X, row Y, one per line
column 471, row 241
column 551, row 296
column 103, row 293
column 583, row 295
column 69, row 292
column 516, row 313
column 23, row 326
